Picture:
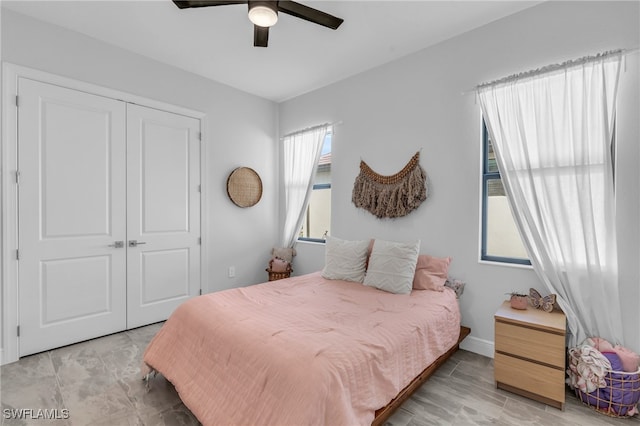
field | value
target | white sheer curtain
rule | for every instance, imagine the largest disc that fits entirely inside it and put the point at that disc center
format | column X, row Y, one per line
column 552, row 131
column 301, row 155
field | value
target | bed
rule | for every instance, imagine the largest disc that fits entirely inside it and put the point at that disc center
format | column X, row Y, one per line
column 303, row 351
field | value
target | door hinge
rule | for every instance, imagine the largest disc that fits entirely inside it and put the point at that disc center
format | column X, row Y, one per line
column 17, row 177
column 200, row 136
column 199, row 188
column 200, row 292
column 18, row 331
column 17, row 254
column 199, row 240
column 17, row 102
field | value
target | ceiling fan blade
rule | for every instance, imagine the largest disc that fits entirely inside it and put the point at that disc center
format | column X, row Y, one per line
column 185, row 4
column 260, row 36
column 309, row 14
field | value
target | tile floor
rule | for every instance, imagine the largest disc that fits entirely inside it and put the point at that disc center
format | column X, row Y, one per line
column 98, row 382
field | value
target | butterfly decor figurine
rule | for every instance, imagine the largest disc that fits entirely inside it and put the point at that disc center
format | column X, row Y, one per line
column 537, row 301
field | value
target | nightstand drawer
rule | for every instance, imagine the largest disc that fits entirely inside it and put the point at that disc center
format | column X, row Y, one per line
column 535, row 378
column 541, row 346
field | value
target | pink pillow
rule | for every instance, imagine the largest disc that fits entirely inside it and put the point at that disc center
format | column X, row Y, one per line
column 369, row 250
column 278, row 265
column 431, row 272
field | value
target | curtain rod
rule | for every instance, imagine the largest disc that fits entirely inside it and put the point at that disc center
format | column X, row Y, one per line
column 553, row 67
column 308, row 129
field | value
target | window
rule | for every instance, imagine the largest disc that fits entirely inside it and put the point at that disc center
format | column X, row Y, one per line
column 317, row 222
column 501, row 240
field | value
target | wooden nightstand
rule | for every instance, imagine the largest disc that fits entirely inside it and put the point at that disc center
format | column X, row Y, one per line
column 530, row 353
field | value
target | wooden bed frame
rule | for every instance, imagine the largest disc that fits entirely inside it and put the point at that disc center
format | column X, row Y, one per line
column 385, row 412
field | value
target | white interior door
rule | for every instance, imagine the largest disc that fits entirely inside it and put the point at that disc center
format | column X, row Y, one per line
column 71, row 209
column 163, row 211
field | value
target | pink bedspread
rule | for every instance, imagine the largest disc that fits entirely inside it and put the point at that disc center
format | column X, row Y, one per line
column 300, row 351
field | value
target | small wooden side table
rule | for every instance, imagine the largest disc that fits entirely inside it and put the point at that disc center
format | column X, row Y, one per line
column 530, row 353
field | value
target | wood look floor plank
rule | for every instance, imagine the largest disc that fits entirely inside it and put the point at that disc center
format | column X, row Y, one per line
column 98, row 382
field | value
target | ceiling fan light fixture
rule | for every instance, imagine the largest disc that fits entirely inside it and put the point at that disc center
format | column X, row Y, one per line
column 263, row 13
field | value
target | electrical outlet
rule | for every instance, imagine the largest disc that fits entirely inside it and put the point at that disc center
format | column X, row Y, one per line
column 232, row 271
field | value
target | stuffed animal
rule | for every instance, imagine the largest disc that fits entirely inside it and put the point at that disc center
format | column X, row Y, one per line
column 284, row 253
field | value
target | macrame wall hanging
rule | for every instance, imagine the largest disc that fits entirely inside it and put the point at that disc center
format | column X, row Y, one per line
column 391, row 196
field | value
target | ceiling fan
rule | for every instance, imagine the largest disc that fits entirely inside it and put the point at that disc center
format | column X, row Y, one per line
column 264, row 14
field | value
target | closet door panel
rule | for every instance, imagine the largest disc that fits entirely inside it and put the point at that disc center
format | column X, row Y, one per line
column 164, row 162
column 163, row 210
column 165, row 275
column 71, row 209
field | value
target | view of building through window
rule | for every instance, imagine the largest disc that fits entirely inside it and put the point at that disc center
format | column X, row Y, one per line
column 317, row 223
column 500, row 238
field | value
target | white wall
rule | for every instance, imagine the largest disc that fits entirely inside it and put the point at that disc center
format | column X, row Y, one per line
column 387, row 114
column 415, row 103
column 2, row 182
column 241, row 130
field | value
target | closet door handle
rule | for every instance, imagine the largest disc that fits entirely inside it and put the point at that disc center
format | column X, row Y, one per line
column 117, row 244
column 135, row 243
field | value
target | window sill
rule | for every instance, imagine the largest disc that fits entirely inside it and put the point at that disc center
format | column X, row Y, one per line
column 312, row 242
column 507, row 264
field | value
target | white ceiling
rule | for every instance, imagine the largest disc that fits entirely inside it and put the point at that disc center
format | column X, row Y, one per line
column 217, row 42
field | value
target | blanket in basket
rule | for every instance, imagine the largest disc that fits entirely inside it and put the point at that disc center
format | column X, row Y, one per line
column 621, row 391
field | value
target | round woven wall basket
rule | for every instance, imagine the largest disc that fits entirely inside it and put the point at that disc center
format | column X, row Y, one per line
column 244, row 187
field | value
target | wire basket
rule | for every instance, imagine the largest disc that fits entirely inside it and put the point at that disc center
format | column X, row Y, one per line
column 619, row 397
column 273, row 276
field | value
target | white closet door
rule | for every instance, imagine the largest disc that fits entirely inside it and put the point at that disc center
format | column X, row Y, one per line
column 163, row 211
column 72, row 154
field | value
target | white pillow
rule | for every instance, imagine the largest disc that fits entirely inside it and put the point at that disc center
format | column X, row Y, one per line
column 392, row 266
column 345, row 260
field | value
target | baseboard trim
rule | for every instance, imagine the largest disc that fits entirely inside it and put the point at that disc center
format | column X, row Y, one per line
column 478, row 346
